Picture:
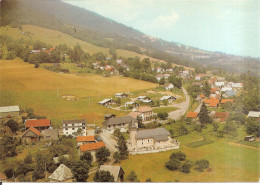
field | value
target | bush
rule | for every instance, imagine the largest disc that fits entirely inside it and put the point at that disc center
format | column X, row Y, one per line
column 200, row 165
column 132, row 177
column 103, row 176
column 185, row 168
column 178, row 156
column 9, row 173
column 173, row 164
column 148, row 180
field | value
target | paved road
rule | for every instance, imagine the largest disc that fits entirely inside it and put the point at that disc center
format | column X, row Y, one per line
column 109, row 142
column 182, row 107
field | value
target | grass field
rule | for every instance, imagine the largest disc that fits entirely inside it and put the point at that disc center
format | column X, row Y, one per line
column 164, row 109
column 229, row 163
column 23, row 85
column 255, row 144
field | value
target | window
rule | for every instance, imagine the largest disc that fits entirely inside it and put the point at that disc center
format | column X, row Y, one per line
column 73, row 128
column 83, row 123
column 142, row 143
column 83, row 127
column 72, row 124
column 66, row 125
column 66, row 128
column 148, row 140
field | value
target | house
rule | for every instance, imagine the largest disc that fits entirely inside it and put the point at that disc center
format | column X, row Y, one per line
column 122, row 123
column 61, row 174
column 30, row 135
column 220, row 79
column 34, row 51
column 131, row 104
column 151, row 139
column 119, row 61
column 212, row 80
column 120, row 95
column 213, row 90
column 227, row 100
column 9, row 111
column 225, row 89
column 147, row 101
column 216, row 96
column 237, row 85
column 159, row 76
column 108, row 68
column 200, row 97
column 229, row 93
column 219, row 84
column 253, row 114
column 192, row 115
column 108, row 116
column 198, row 77
column 159, row 70
column 116, row 171
column 107, row 102
column 39, row 124
column 136, row 115
column 3, row 178
column 211, row 102
column 147, row 113
column 71, row 127
column 170, row 70
column 169, row 98
column 221, row 116
column 81, row 140
column 92, row 148
column 142, row 98
column 50, row 135
column 249, row 138
column 168, row 86
column 166, row 76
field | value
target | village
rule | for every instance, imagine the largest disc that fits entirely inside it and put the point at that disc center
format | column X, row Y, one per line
column 140, row 131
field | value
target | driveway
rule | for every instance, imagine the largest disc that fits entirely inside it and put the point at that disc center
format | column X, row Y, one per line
column 109, row 142
column 182, row 107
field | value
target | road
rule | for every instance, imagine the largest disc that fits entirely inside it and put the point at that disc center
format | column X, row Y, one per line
column 109, row 142
column 182, row 107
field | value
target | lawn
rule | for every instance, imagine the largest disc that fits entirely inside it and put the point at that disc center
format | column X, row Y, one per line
column 164, row 109
column 255, row 144
column 23, row 85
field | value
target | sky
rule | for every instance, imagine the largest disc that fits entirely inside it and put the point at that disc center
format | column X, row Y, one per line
column 227, row 26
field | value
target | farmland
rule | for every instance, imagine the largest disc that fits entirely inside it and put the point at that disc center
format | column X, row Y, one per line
column 41, row 90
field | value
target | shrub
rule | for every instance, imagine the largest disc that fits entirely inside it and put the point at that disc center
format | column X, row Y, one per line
column 200, row 165
column 132, row 177
column 178, row 155
column 185, row 168
column 173, row 164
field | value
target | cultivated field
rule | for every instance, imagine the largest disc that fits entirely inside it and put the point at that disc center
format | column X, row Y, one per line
column 26, row 86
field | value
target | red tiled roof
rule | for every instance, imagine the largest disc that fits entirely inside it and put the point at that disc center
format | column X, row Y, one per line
column 34, row 130
column 85, row 138
column 192, row 115
column 221, row 115
column 212, row 90
column 202, row 96
column 206, row 101
column 38, row 123
column 213, row 102
column 91, row 146
column 227, row 100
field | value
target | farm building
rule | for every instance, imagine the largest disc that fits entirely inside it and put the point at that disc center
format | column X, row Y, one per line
column 253, row 114
column 70, row 127
column 92, row 148
column 132, row 104
column 30, row 135
column 249, row 138
column 151, row 139
column 120, row 95
column 39, row 124
column 122, row 123
column 61, row 174
column 168, row 86
column 142, row 98
column 50, row 135
column 9, row 111
column 108, row 116
column 116, row 171
column 85, row 139
column 169, row 98
column 219, row 84
column 106, row 102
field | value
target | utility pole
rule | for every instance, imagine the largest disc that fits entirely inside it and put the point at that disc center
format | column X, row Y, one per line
column 89, row 101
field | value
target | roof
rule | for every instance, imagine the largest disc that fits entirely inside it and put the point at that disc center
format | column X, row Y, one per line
column 192, row 115
column 85, row 138
column 144, row 109
column 224, row 89
column 91, row 146
column 168, row 84
column 213, row 90
column 142, row 97
column 213, row 102
column 230, row 93
column 253, row 114
column 119, row 120
column 202, row 96
column 74, row 121
column 158, row 134
column 2, row 176
column 105, row 100
column 37, row 123
column 62, row 173
column 221, row 115
column 114, row 170
column 134, row 114
column 109, row 115
column 166, row 98
column 227, row 100
column 14, row 108
column 50, row 134
column 119, row 94
column 34, row 130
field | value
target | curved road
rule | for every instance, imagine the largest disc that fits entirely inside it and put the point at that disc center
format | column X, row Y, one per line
column 182, row 107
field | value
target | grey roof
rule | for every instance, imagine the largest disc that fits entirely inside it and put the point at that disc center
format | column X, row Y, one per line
column 158, row 134
column 114, row 170
column 231, row 93
column 105, row 101
column 14, row 108
column 253, row 114
column 119, row 120
column 74, row 121
column 109, row 115
column 62, row 173
column 50, row 134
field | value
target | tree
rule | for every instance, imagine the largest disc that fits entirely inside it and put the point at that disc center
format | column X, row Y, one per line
column 163, row 115
column 140, row 122
column 178, row 155
column 162, row 81
column 103, row 176
column 173, row 164
column 8, row 147
column 204, row 115
column 182, row 130
column 80, row 171
column 200, row 165
column 215, row 127
column 122, row 147
column 185, row 168
column 9, row 173
column 206, row 89
column 132, row 177
column 87, row 157
column 28, row 159
column 116, row 157
column 21, row 169
column 13, row 125
column 253, row 127
column 102, row 155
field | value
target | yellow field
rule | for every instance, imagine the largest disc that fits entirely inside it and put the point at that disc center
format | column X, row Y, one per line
column 54, row 38
column 41, row 90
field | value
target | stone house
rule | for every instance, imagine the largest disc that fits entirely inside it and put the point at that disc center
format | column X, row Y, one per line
column 116, row 171
column 70, row 127
column 122, row 123
column 92, row 148
column 61, row 174
column 30, row 135
column 81, row 140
